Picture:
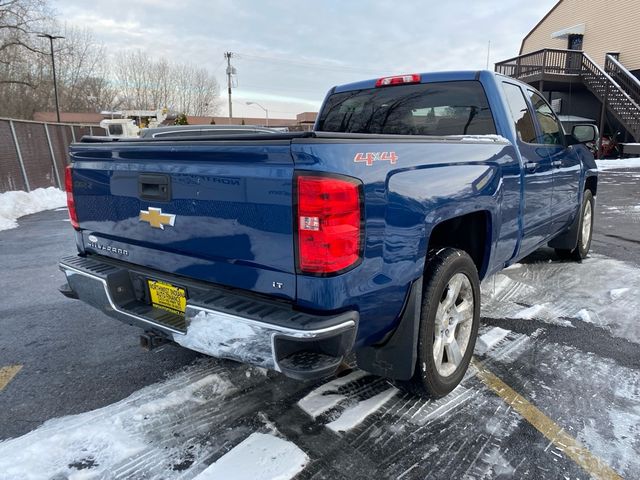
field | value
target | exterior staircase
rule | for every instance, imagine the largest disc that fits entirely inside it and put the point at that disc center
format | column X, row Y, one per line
column 613, row 85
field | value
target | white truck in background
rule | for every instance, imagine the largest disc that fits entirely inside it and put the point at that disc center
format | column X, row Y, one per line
column 128, row 123
column 120, row 127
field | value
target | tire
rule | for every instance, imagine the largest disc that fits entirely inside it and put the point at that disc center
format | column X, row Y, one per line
column 585, row 231
column 450, row 281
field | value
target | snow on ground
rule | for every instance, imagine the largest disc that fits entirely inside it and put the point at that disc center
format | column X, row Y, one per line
column 618, row 163
column 14, row 205
column 100, row 442
column 333, row 395
column 259, row 457
column 571, row 385
column 487, row 341
column 202, row 424
column 599, row 290
column 327, row 396
column 355, row 414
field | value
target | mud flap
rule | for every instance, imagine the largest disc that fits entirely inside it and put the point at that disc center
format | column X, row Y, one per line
column 569, row 239
column 396, row 357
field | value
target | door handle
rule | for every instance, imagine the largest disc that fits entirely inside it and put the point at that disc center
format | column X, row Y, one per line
column 556, row 163
column 531, row 166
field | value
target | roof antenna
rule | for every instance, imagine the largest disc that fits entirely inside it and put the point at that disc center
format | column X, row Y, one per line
column 488, row 53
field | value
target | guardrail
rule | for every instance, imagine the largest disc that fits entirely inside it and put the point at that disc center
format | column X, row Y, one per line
column 34, row 154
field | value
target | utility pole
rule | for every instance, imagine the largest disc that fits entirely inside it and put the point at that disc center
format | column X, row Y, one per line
column 230, row 71
column 53, row 67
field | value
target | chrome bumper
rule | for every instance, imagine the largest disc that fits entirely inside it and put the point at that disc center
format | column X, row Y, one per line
column 262, row 333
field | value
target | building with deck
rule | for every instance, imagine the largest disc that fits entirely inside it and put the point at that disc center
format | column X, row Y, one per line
column 585, row 57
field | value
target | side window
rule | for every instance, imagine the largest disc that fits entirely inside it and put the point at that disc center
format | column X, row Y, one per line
column 115, row 129
column 520, row 113
column 552, row 132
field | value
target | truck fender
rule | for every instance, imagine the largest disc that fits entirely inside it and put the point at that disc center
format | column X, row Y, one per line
column 391, row 358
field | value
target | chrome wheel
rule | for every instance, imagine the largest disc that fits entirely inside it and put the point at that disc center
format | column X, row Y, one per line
column 586, row 224
column 453, row 323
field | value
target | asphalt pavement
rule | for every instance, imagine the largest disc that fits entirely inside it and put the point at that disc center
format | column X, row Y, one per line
column 546, row 374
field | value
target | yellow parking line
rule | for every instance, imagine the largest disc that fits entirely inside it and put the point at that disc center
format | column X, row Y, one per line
column 7, row 374
column 593, row 465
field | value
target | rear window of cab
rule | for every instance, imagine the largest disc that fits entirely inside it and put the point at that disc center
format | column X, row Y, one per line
column 439, row 108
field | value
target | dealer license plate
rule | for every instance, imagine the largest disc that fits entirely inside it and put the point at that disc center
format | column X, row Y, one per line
column 168, row 297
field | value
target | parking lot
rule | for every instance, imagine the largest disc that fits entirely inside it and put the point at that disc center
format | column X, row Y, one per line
column 553, row 392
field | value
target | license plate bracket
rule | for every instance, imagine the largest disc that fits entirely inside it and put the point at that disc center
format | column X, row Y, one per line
column 167, row 296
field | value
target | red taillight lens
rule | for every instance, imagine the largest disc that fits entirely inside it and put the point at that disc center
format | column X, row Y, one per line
column 71, row 204
column 329, row 224
column 398, row 80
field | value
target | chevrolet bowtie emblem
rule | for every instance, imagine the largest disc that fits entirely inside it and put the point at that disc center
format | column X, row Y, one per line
column 156, row 218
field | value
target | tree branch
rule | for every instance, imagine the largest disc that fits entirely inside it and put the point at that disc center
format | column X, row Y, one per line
column 17, row 82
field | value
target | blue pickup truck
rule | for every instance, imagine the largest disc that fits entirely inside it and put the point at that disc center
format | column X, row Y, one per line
column 368, row 236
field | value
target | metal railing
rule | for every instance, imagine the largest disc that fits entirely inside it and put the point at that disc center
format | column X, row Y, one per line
column 629, row 83
column 548, row 60
column 614, row 85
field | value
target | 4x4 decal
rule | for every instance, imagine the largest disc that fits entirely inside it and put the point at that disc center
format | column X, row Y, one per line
column 370, row 157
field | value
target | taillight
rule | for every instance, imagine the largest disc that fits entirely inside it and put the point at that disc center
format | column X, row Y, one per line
column 398, row 80
column 329, row 223
column 71, row 204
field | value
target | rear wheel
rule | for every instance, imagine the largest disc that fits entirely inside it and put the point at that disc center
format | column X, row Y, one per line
column 448, row 325
column 585, row 231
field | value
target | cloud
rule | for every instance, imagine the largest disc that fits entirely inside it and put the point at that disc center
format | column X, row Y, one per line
column 291, row 52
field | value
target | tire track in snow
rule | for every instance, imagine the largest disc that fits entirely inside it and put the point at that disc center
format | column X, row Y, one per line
column 558, row 291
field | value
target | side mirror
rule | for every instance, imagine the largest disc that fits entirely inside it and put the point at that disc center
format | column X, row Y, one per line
column 585, row 133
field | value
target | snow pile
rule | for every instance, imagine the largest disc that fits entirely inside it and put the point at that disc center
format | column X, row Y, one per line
column 259, row 456
column 14, row 205
column 222, row 336
column 618, row 163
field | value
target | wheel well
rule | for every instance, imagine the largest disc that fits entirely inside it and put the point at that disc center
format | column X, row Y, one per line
column 467, row 232
column 591, row 184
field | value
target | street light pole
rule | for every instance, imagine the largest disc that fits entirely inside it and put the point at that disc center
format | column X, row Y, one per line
column 53, row 67
column 266, row 112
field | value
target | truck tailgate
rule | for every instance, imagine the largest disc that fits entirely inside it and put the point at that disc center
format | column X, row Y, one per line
column 216, row 211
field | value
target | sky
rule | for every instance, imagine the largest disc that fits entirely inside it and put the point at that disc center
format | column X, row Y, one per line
column 288, row 53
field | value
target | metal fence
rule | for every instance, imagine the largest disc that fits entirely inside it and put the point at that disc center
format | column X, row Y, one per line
column 34, row 154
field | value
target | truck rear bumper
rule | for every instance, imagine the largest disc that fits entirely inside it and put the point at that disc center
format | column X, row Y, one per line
column 218, row 322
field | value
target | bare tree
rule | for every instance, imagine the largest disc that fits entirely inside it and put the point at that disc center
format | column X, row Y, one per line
column 83, row 73
column 19, row 20
column 20, row 71
column 26, row 82
column 145, row 83
column 86, row 82
column 132, row 72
